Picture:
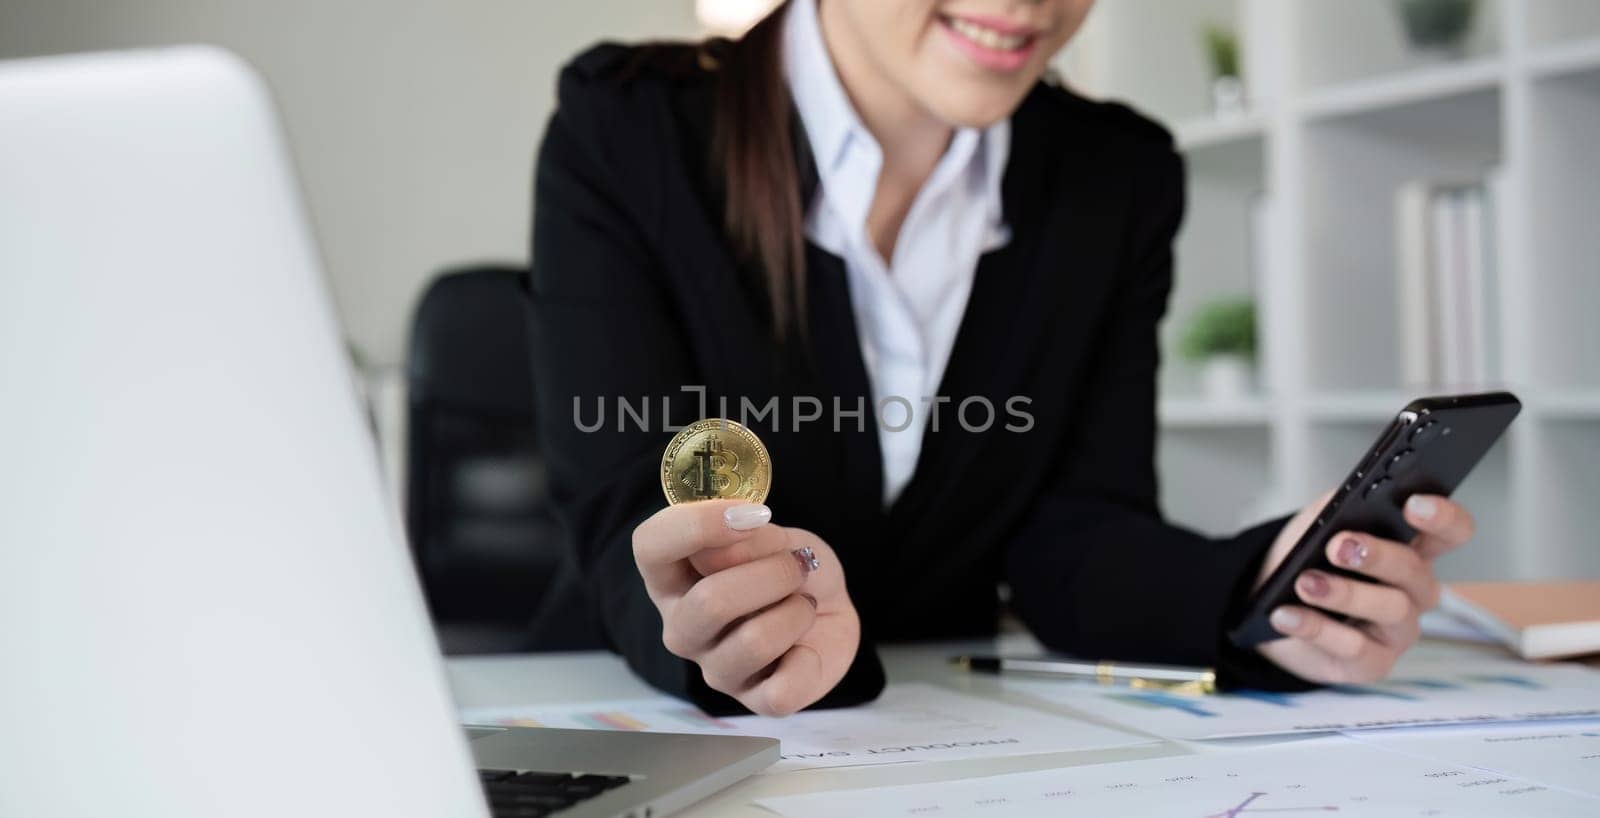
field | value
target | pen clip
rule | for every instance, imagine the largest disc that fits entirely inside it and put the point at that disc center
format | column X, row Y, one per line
column 1204, row 686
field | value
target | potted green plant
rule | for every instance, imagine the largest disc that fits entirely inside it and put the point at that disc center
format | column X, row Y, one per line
column 1227, row 88
column 1437, row 25
column 1221, row 337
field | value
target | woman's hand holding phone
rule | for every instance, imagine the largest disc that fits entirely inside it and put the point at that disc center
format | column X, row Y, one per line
column 761, row 608
column 1383, row 613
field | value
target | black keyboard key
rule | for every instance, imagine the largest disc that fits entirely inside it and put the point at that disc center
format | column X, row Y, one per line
column 534, row 779
column 520, row 812
column 513, row 788
column 592, row 785
column 531, row 794
column 603, row 781
column 535, row 799
column 535, row 789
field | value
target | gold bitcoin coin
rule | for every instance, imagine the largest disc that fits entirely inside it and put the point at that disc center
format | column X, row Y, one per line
column 715, row 459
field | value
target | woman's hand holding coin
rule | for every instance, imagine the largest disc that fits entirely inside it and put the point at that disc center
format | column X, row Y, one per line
column 761, row 608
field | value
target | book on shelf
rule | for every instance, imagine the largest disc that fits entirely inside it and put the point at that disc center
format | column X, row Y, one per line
column 1446, row 293
column 1538, row 620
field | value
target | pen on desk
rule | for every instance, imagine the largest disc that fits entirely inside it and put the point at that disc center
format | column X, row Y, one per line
column 1159, row 677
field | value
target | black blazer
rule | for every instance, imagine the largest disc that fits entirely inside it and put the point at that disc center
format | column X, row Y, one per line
column 635, row 293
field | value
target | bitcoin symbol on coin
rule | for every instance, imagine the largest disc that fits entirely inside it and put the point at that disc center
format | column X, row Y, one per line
column 716, row 471
column 713, row 459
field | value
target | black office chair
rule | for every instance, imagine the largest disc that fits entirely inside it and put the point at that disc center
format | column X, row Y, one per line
column 484, row 540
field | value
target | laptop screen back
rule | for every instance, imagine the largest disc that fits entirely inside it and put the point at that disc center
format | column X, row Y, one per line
column 205, row 607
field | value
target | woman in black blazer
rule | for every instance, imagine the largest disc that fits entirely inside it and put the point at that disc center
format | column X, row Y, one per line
column 681, row 269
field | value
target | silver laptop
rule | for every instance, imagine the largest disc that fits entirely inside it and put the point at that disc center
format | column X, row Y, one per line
column 205, row 606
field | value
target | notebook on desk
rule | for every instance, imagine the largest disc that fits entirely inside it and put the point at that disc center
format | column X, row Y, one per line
column 1538, row 620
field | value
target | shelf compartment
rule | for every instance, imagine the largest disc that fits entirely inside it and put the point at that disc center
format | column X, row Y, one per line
column 1339, row 41
column 1175, row 87
column 1568, row 405
column 1567, row 58
column 1217, row 480
column 1556, row 21
column 1563, row 274
column 1354, row 167
column 1565, row 516
column 1181, row 412
column 1211, row 132
column 1417, row 86
column 1218, row 256
column 1358, row 406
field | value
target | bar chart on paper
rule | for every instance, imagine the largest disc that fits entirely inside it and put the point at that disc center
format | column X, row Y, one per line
column 1309, row 778
column 1482, row 691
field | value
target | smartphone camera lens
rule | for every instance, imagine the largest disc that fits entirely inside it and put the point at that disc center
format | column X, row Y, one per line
column 1377, row 485
column 1427, row 433
column 1402, row 462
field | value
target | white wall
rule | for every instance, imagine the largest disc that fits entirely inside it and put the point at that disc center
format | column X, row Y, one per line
column 414, row 122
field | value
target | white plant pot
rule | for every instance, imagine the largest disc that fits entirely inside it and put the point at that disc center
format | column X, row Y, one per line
column 1227, row 97
column 1227, row 378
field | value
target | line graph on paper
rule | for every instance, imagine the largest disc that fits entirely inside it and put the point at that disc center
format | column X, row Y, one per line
column 1248, row 806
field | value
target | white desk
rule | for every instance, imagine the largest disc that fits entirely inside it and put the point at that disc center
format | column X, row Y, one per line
column 579, row 677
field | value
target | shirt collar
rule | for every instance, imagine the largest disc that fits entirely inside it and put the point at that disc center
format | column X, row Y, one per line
column 833, row 128
column 830, row 120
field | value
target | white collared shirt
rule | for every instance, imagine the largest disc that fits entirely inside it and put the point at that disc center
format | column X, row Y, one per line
column 909, row 309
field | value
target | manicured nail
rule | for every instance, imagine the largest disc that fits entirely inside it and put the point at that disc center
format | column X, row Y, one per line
column 1351, row 553
column 807, row 559
column 1313, row 585
column 746, row 516
column 1423, row 508
column 1285, row 620
column 811, row 599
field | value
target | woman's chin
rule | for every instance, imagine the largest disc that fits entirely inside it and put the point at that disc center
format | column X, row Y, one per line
column 973, row 108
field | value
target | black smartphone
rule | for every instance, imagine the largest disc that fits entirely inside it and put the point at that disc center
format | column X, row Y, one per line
column 1429, row 449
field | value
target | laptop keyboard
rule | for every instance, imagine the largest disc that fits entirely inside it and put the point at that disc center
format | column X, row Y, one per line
column 524, row 794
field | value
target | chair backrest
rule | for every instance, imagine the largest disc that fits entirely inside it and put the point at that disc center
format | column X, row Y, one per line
column 476, row 510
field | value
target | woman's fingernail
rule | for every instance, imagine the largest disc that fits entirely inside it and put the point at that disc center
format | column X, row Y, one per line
column 1285, row 620
column 746, row 516
column 811, row 599
column 1351, row 553
column 1313, row 584
column 1423, row 508
column 807, row 559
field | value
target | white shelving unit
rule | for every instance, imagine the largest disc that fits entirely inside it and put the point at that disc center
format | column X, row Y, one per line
column 1344, row 113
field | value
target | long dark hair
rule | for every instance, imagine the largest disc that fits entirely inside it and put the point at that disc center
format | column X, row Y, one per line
column 754, row 146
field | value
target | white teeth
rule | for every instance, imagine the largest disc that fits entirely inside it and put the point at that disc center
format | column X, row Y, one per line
column 987, row 37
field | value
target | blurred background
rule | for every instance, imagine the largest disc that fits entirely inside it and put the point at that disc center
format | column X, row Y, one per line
column 1388, row 198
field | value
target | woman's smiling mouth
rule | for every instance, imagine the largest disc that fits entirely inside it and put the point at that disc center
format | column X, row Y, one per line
column 993, row 44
